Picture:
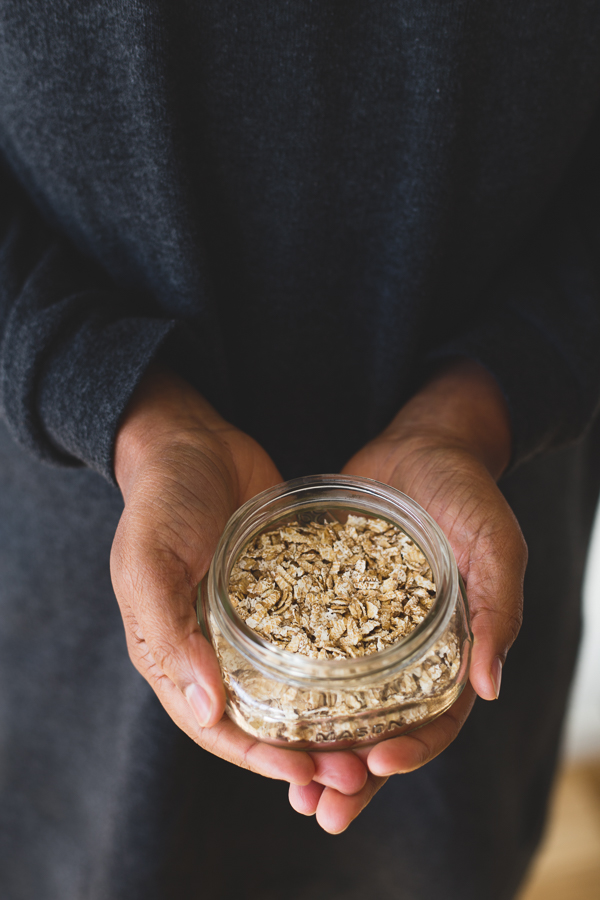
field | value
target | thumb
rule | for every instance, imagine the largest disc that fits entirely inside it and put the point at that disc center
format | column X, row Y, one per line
column 494, row 582
column 156, row 592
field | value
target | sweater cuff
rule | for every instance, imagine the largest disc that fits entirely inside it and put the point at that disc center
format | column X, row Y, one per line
column 547, row 403
column 87, row 384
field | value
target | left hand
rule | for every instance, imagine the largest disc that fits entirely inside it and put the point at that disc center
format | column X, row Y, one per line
column 445, row 449
column 183, row 470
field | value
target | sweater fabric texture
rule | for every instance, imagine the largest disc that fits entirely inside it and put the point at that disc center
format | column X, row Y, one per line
column 302, row 207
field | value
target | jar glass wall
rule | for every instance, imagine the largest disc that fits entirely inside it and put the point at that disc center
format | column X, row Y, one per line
column 290, row 699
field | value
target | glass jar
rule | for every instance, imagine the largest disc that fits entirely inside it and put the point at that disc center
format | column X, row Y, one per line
column 290, row 699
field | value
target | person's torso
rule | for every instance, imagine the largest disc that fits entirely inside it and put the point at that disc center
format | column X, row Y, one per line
column 321, row 190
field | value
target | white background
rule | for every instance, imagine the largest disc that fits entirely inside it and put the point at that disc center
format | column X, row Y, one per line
column 583, row 725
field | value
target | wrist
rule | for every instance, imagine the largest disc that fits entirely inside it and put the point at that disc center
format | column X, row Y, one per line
column 164, row 410
column 462, row 407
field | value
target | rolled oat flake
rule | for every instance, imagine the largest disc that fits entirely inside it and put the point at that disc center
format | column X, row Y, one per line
column 331, row 590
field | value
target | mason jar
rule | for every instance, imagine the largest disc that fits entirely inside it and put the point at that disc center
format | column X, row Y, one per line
column 289, row 699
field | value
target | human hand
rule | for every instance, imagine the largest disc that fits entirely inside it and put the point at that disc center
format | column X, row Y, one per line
column 445, row 449
column 183, row 470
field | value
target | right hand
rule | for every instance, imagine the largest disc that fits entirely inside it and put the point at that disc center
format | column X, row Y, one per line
column 445, row 449
column 182, row 471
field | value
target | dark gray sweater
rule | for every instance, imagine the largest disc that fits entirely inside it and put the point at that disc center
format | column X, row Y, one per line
column 301, row 205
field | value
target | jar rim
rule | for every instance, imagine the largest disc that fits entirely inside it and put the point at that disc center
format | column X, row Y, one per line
column 354, row 494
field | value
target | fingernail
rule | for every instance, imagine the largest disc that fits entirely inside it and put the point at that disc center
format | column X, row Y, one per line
column 200, row 702
column 497, row 675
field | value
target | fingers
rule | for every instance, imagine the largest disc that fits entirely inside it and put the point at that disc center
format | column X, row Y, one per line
column 494, row 581
column 163, row 636
column 411, row 751
column 342, row 770
column 335, row 808
column 229, row 742
column 336, row 811
column 304, row 799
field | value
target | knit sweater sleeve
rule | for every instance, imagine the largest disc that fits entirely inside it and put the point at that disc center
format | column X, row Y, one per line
column 539, row 333
column 72, row 346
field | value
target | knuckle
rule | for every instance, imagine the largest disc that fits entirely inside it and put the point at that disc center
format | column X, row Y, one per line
column 143, row 660
column 245, row 760
column 139, row 653
column 165, row 657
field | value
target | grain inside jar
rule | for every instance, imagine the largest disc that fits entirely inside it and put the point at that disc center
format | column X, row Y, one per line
column 332, row 590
